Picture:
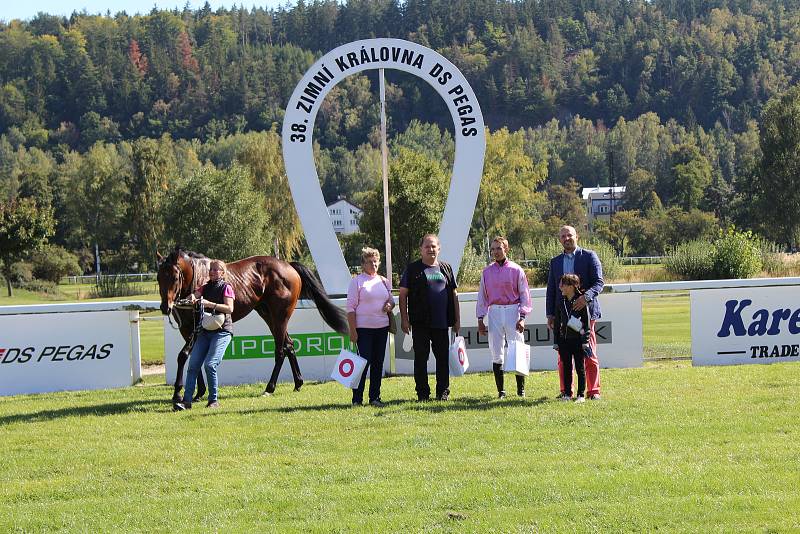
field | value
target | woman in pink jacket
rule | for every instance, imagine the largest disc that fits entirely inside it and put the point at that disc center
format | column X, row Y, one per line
column 369, row 299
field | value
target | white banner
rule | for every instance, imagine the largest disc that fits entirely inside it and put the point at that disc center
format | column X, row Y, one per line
column 619, row 336
column 250, row 358
column 66, row 351
column 251, row 355
column 745, row 325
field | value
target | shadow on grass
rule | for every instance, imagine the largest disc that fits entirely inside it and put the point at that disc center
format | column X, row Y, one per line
column 433, row 406
column 114, row 408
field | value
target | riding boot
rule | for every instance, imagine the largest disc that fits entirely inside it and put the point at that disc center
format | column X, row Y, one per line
column 520, row 385
column 295, row 365
column 497, row 368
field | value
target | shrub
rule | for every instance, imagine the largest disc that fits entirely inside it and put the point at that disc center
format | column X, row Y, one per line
column 41, row 286
column 472, row 264
column 539, row 260
column 736, row 255
column 544, row 251
column 612, row 265
column 21, row 273
column 733, row 255
column 115, row 285
column 52, row 263
column 773, row 260
column 693, row 260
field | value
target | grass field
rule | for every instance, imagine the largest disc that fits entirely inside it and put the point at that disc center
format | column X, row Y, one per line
column 670, row 448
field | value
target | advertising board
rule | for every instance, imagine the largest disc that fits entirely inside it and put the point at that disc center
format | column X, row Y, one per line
column 745, row 325
column 66, row 351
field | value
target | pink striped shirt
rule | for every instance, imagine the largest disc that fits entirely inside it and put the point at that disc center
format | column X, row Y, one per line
column 366, row 296
column 502, row 285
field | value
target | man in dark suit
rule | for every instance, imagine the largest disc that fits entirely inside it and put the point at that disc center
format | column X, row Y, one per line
column 586, row 265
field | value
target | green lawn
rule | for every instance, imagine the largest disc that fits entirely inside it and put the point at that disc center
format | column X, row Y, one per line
column 73, row 293
column 665, row 325
column 670, row 448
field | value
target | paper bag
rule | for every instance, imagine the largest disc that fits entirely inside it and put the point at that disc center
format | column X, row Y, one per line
column 459, row 363
column 348, row 369
column 518, row 358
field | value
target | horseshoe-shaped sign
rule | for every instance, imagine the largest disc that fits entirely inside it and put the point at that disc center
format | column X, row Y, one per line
column 298, row 155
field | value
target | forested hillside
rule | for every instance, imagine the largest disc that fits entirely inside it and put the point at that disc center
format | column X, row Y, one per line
column 105, row 121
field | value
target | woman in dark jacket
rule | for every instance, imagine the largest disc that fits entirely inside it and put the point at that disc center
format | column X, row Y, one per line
column 571, row 332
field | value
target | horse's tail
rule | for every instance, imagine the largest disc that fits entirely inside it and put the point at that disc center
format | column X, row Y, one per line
column 312, row 288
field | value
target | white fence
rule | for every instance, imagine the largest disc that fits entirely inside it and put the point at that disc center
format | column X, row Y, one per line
column 52, row 347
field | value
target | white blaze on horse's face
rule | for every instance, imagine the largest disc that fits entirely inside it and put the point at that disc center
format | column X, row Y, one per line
column 168, row 286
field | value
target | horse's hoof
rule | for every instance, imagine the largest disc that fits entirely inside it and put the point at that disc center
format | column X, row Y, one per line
column 298, row 385
column 270, row 388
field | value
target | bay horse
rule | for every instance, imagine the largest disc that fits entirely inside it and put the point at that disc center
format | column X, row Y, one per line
column 266, row 284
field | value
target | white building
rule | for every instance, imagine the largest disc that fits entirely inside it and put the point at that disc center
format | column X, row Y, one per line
column 601, row 202
column 344, row 216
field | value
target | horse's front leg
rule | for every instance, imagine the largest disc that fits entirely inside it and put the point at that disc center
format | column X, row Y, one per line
column 276, row 370
column 183, row 356
column 294, row 364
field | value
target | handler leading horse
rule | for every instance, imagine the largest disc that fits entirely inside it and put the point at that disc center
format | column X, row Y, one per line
column 266, row 284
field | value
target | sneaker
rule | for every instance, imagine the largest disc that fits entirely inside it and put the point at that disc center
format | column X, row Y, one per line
column 565, row 397
column 594, row 396
column 501, row 394
column 520, row 393
column 212, row 404
column 357, row 403
column 444, row 396
column 580, row 398
column 181, row 406
column 377, row 403
column 423, row 399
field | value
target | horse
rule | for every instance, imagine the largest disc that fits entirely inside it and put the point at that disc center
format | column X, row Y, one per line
column 266, row 284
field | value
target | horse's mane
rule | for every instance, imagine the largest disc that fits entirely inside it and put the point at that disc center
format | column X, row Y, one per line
column 179, row 251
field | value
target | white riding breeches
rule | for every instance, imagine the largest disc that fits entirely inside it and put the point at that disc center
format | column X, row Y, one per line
column 502, row 326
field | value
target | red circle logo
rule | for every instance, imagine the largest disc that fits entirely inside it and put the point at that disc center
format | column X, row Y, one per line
column 346, row 367
column 461, row 356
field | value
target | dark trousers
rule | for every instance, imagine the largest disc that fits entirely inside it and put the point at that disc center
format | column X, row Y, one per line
column 372, row 347
column 568, row 351
column 426, row 339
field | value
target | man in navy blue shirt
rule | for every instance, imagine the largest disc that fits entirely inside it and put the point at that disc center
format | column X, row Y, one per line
column 429, row 306
column 586, row 265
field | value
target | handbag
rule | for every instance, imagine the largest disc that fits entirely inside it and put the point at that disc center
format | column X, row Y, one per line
column 575, row 324
column 210, row 321
column 457, row 360
column 392, row 322
column 518, row 358
column 348, row 369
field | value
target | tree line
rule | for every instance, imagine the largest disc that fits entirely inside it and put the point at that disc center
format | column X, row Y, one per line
column 115, row 125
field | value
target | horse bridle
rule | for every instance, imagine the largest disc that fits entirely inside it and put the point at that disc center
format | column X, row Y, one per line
column 181, row 278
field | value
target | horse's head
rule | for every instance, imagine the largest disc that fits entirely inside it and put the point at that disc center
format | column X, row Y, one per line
column 171, row 279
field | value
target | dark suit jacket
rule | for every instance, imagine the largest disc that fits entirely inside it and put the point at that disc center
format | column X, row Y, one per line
column 587, row 266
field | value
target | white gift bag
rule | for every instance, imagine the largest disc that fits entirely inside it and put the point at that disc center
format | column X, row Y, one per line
column 518, row 358
column 459, row 363
column 348, row 369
